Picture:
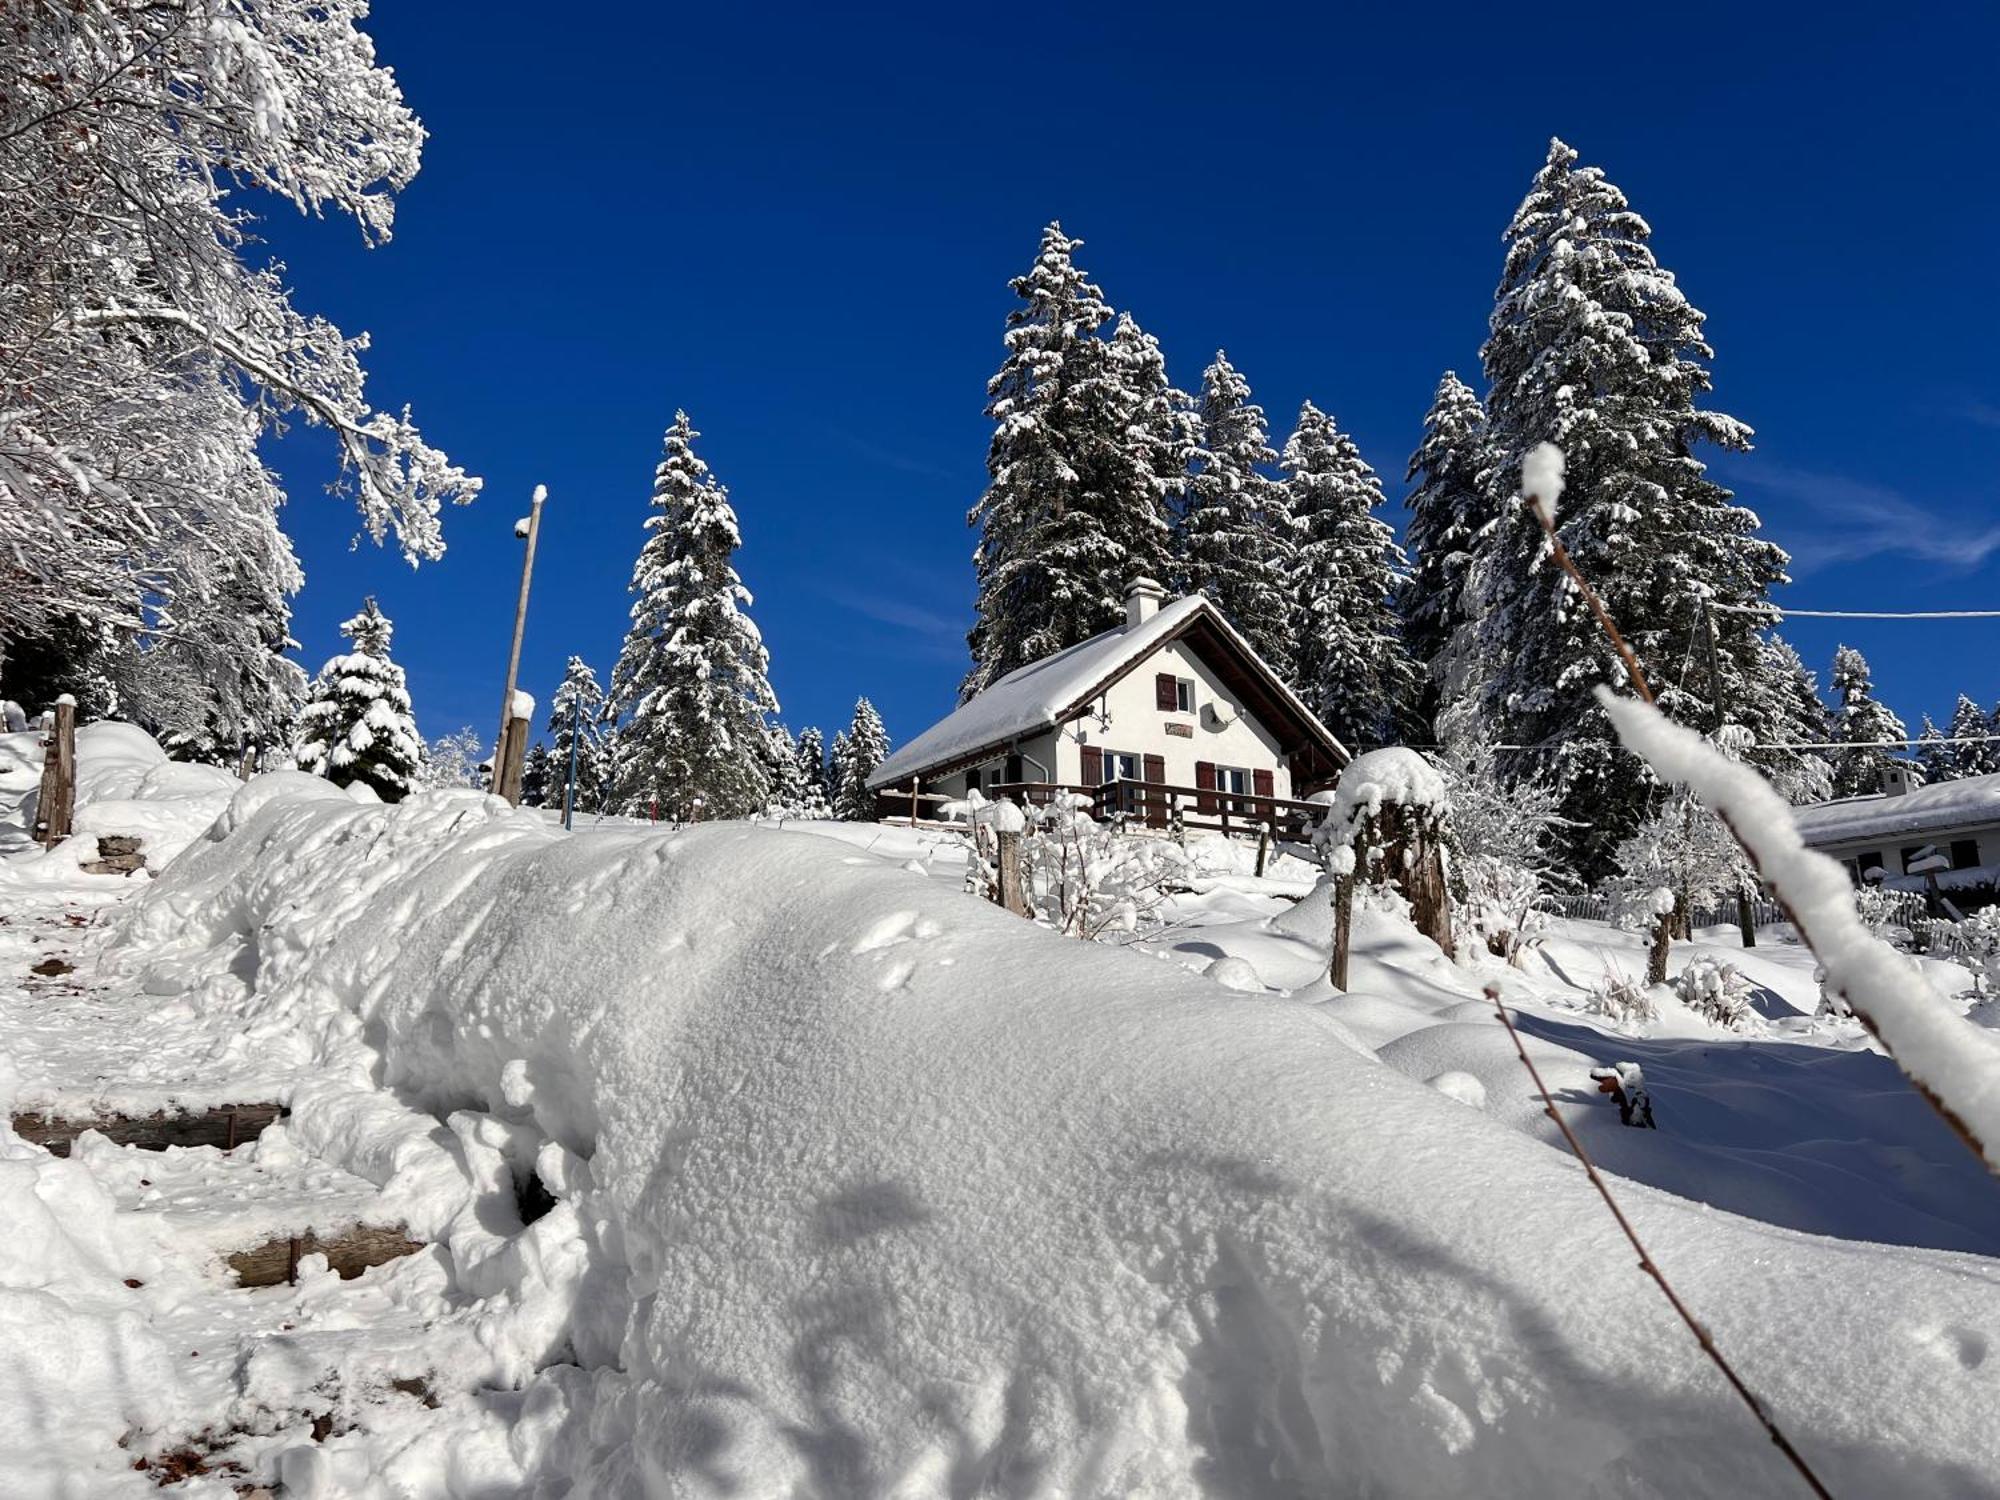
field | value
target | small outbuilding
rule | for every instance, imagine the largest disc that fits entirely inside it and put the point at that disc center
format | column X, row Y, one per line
column 1900, row 827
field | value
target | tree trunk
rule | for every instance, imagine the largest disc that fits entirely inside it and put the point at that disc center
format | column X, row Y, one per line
column 55, row 808
column 1746, row 918
column 1663, row 941
column 1414, row 862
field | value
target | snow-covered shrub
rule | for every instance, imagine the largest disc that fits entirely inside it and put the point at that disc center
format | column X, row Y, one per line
column 1685, row 849
column 1974, row 942
column 453, row 760
column 1503, row 831
column 1502, row 904
column 1717, row 991
column 1087, row 880
column 358, row 726
column 1623, row 1000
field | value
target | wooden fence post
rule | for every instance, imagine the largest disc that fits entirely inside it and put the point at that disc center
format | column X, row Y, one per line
column 1263, row 848
column 55, row 808
column 1343, row 929
column 1008, row 890
column 1663, row 942
column 1746, row 919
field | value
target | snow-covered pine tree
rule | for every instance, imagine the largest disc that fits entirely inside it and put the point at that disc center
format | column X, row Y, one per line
column 1973, row 755
column 1044, row 550
column 1448, row 511
column 836, row 772
column 1862, row 724
column 1237, row 537
column 1349, row 661
column 690, row 682
column 857, row 752
column 816, row 801
column 1594, row 348
column 540, row 780
column 1785, row 710
column 576, row 715
column 781, row 759
column 1155, row 423
column 358, row 725
column 1935, row 756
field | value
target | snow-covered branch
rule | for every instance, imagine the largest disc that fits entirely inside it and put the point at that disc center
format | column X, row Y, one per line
column 1953, row 1064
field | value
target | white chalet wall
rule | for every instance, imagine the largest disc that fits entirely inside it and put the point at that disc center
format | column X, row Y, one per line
column 1137, row 726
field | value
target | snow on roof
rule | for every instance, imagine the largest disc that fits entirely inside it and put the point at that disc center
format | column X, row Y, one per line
column 1031, row 699
column 1965, row 803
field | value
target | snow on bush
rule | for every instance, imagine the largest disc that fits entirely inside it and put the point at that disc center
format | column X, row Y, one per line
column 1717, row 992
column 1624, row 1001
column 1088, row 880
column 864, row 1187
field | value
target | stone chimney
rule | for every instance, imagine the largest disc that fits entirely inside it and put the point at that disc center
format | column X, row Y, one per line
column 1142, row 601
column 1895, row 780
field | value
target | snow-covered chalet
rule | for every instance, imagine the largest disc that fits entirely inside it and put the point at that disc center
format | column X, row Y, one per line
column 1952, row 825
column 1175, row 696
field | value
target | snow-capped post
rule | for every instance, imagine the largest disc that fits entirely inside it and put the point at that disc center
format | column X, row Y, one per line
column 1660, row 905
column 513, row 752
column 1008, row 823
column 528, row 527
column 55, row 806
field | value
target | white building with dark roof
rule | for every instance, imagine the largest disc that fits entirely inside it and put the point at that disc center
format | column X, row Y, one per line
column 1888, row 830
column 1175, row 695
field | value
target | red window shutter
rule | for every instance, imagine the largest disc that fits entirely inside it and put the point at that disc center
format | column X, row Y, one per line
column 1166, row 693
column 1156, row 802
column 1261, row 783
column 1093, row 766
column 1204, row 782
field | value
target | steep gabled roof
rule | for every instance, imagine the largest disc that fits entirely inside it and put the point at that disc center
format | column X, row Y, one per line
column 1971, row 801
column 1032, row 699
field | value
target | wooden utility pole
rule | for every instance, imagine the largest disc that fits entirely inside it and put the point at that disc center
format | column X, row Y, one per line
column 55, row 807
column 534, row 531
column 508, row 762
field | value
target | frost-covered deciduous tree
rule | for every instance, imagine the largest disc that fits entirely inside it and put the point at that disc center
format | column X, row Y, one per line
column 1505, row 830
column 358, row 726
column 1686, row 850
column 1237, row 538
column 576, row 724
column 1595, row 348
column 857, row 751
column 1348, row 656
column 1448, row 512
column 1868, row 729
column 142, row 353
column 454, row 760
column 690, row 684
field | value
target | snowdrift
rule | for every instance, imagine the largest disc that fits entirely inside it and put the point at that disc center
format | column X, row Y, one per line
column 866, row 1188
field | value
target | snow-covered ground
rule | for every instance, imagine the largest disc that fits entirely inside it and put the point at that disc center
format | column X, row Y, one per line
column 863, row 1187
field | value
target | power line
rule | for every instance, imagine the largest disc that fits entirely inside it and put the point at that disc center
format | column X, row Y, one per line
column 1860, row 614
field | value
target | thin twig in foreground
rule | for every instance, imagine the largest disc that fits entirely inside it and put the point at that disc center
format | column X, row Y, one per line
column 1646, row 1261
column 1541, row 513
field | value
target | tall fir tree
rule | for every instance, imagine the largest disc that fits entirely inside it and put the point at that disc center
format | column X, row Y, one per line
column 1156, row 442
column 1047, row 563
column 1239, row 544
column 1448, row 512
column 1594, row 347
column 358, row 725
column 810, row 752
column 863, row 747
column 540, row 780
column 576, row 729
column 690, row 683
column 1859, row 722
column 1350, row 662
column 1974, row 754
column 837, row 759
column 1935, row 755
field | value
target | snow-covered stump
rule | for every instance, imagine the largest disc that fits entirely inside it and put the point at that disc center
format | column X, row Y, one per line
column 1389, row 818
column 55, row 806
column 1009, row 890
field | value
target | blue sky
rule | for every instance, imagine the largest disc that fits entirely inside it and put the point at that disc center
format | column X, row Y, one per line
column 798, row 223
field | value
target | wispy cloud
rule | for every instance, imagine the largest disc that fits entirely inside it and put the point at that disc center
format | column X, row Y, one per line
column 920, row 631
column 1861, row 519
column 890, row 458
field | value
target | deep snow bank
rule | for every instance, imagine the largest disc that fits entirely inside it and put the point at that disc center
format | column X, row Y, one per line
column 884, row 1192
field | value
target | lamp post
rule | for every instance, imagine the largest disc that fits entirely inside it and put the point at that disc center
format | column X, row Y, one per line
column 531, row 528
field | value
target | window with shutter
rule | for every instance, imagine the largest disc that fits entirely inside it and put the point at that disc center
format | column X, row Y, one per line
column 1204, row 783
column 1093, row 766
column 1261, row 783
column 1166, row 692
column 1156, row 801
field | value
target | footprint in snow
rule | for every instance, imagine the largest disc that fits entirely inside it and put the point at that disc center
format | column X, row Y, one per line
column 1967, row 1345
column 897, row 975
column 886, row 932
